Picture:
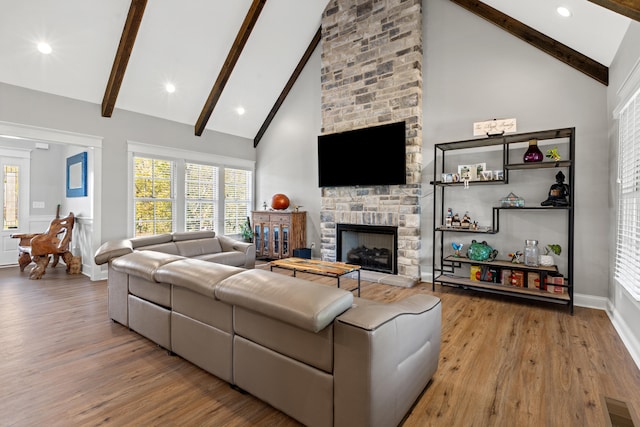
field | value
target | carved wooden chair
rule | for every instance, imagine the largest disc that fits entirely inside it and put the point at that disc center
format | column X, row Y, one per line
column 38, row 247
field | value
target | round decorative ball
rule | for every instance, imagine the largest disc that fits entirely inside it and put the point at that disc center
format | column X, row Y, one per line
column 279, row 202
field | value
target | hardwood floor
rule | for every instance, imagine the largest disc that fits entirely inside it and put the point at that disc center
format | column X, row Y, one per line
column 503, row 363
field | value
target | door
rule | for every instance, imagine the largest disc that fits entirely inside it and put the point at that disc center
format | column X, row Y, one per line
column 14, row 193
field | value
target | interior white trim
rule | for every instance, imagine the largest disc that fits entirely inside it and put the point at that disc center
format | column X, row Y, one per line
column 628, row 88
column 625, row 332
column 19, row 153
column 71, row 138
column 196, row 156
column 590, row 301
column 35, row 133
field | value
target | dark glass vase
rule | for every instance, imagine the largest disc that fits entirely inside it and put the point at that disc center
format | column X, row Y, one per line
column 533, row 153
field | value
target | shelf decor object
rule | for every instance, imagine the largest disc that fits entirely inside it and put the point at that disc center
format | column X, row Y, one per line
column 538, row 281
column 279, row 202
column 533, row 153
column 495, row 127
column 512, row 201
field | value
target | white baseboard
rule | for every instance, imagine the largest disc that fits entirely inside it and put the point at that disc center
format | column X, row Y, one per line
column 625, row 332
column 590, row 301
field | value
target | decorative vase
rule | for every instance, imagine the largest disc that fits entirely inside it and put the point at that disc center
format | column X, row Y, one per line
column 279, row 202
column 533, row 153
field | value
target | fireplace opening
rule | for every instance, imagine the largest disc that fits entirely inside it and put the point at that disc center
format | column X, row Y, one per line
column 374, row 247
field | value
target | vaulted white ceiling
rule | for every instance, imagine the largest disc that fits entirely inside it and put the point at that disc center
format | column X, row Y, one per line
column 186, row 43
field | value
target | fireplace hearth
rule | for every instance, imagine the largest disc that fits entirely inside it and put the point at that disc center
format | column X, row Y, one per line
column 373, row 247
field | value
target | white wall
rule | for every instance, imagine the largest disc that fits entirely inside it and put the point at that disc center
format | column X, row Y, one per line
column 472, row 71
column 287, row 155
column 475, row 71
column 624, row 310
column 33, row 108
column 46, row 176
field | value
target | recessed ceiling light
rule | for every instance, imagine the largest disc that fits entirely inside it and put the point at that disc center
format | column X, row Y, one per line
column 170, row 87
column 240, row 111
column 563, row 11
column 44, row 48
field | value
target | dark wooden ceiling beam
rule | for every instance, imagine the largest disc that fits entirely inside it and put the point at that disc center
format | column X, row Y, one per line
column 227, row 68
column 628, row 8
column 127, row 40
column 287, row 88
column 535, row 38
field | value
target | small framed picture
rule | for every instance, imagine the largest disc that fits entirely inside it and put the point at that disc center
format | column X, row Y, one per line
column 468, row 172
column 486, row 175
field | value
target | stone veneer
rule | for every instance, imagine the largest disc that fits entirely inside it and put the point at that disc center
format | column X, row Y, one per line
column 372, row 74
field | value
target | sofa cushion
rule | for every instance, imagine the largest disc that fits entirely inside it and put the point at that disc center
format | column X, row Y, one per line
column 208, row 311
column 196, row 275
column 192, row 248
column 112, row 249
column 167, row 248
column 312, row 348
column 299, row 302
column 158, row 293
column 137, row 242
column 235, row 258
column 143, row 263
column 192, row 235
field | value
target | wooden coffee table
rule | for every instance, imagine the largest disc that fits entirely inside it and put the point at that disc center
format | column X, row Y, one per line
column 322, row 268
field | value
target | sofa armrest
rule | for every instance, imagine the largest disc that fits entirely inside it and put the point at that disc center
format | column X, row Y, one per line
column 112, row 249
column 385, row 355
column 370, row 315
column 248, row 249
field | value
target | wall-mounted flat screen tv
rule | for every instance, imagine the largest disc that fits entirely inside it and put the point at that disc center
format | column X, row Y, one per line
column 371, row 156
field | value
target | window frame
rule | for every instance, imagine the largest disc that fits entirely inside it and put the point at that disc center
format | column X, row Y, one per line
column 249, row 202
column 627, row 242
column 626, row 271
column 215, row 201
column 172, row 198
column 181, row 157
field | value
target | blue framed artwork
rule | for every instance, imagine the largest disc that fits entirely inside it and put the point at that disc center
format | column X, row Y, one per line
column 77, row 175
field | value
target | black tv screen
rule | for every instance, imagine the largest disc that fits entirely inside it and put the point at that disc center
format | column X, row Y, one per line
column 370, row 156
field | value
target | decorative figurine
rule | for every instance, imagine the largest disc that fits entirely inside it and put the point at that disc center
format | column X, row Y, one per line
column 455, row 221
column 466, row 177
column 466, row 221
column 449, row 219
column 481, row 251
column 457, row 247
column 264, row 206
column 516, row 257
column 558, row 193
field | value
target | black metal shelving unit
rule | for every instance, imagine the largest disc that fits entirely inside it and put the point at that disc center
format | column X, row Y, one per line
column 444, row 267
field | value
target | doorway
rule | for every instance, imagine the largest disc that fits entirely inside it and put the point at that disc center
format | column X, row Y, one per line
column 14, row 193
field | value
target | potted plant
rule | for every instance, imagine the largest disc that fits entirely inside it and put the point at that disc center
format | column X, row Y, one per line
column 547, row 258
column 246, row 232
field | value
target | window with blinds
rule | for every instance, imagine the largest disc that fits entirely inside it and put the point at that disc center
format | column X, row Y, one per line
column 237, row 198
column 10, row 193
column 201, row 197
column 627, row 268
column 153, row 194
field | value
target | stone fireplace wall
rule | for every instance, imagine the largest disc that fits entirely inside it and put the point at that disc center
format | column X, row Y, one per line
column 372, row 74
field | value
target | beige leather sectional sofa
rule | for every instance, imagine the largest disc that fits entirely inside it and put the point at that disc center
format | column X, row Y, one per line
column 312, row 351
column 204, row 245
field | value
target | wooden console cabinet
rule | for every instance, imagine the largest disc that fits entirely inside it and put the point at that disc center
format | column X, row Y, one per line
column 277, row 234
